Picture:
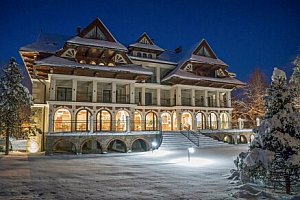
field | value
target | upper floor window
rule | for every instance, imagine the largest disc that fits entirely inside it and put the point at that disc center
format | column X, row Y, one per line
column 82, row 62
column 139, row 54
column 149, row 55
column 144, row 55
column 93, row 62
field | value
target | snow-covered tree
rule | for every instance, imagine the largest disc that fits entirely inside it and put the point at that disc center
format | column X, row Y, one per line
column 275, row 152
column 15, row 101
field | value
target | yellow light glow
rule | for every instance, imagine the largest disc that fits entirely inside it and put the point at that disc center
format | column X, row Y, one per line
column 194, row 162
column 33, row 146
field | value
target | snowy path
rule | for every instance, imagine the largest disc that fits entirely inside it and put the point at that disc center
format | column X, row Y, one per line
column 158, row 175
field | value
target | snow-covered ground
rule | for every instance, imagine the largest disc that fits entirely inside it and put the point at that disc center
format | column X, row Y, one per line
column 157, row 175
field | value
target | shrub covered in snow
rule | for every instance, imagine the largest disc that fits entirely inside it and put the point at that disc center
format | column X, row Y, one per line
column 274, row 155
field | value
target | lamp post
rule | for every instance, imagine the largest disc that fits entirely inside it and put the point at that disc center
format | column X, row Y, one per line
column 190, row 150
column 154, row 145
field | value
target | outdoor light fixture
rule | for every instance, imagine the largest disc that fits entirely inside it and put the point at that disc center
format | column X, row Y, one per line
column 154, row 145
column 32, row 146
column 190, row 150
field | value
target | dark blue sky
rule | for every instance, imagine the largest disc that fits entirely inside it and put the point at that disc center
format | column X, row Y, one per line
column 244, row 34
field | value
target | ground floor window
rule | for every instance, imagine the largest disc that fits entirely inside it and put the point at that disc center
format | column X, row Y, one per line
column 137, row 121
column 103, row 120
column 83, row 120
column 224, row 121
column 186, row 121
column 121, row 120
column 174, row 121
column 200, row 118
column 62, row 120
column 212, row 121
column 166, row 121
column 151, row 121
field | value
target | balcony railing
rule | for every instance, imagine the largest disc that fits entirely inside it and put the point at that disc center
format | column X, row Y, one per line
column 165, row 102
column 101, row 98
column 199, row 102
column 186, row 101
column 123, row 99
column 211, row 102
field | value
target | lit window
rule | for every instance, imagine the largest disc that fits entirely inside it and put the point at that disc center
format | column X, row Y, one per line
column 101, row 64
column 62, row 120
column 111, row 64
column 93, row 62
column 82, row 62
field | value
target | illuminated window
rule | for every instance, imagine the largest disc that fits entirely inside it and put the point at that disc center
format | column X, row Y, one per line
column 111, row 64
column 186, row 121
column 212, row 121
column 224, row 122
column 200, row 117
column 83, row 120
column 166, row 121
column 93, row 62
column 121, row 120
column 174, row 121
column 101, row 63
column 103, row 120
column 82, row 62
column 151, row 121
column 62, row 120
column 137, row 121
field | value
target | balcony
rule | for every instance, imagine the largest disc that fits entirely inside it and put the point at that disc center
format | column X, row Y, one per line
column 165, row 102
column 84, row 96
column 104, row 97
column 199, row 102
column 125, row 99
column 186, row 101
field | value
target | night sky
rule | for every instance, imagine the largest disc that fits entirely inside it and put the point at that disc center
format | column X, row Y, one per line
column 244, row 34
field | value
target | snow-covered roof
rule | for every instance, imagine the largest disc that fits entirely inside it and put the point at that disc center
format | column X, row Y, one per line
column 61, row 62
column 151, row 45
column 188, row 75
column 47, row 43
column 208, row 60
column 97, row 43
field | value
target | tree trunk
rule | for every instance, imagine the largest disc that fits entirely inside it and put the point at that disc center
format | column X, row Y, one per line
column 287, row 184
column 7, row 140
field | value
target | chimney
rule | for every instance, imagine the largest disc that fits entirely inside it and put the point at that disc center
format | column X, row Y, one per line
column 78, row 30
column 178, row 49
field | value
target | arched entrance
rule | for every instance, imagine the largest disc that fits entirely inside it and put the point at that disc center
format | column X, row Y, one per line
column 83, row 120
column 117, row 146
column 91, row 146
column 121, row 124
column 65, row 147
column 224, row 121
column 186, row 121
column 137, row 121
column 139, row 145
column 212, row 121
column 166, row 121
column 62, row 120
column 103, row 121
column 151, row 121
column 200, row 118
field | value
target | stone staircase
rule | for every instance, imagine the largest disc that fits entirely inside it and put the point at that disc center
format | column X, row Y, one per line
column 177, row 140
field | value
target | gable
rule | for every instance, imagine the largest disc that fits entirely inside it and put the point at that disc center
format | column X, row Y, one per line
column 145, row 39
column 97, row 30
column 205, row 50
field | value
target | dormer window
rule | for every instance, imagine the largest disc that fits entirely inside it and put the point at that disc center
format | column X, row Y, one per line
column 189, row 68
column 93, row 62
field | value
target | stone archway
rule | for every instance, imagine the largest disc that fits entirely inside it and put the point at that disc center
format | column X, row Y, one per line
column 62, row 120
column 228, row 139
column 139, row 145
column 166, row 121
column 242, row 139
column 65, row 147
column 91, row 146
column 186, row 121
column 117, row 146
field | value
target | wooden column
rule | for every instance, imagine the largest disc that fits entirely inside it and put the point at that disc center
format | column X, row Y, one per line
column 52, row 89
column 193, row 97
column 158, row 96
column 74, row 89
column 114, row 92
column 178, row 96
column 94, row 91
column 143, row 95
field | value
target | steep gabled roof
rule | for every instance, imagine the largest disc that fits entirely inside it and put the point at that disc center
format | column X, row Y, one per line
column 97, row 25
column 46, row 43
column 145, row 42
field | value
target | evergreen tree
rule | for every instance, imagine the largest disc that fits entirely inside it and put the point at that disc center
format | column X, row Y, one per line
column 276, row 146
column 14, row 100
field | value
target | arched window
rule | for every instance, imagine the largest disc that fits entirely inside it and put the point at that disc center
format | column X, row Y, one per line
column 166, row 121
column 186, row 121
column 137, row 121
column 139, row 54
column 144, row 55
column 121, row 124
column 149, row 55
column 212, row 121
column 82, row 62
column 103, row 121
column 93, row 62
column 151, row 121
column 83, row 120
column 224, row 121
column 200, row 117
column 62, row 120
